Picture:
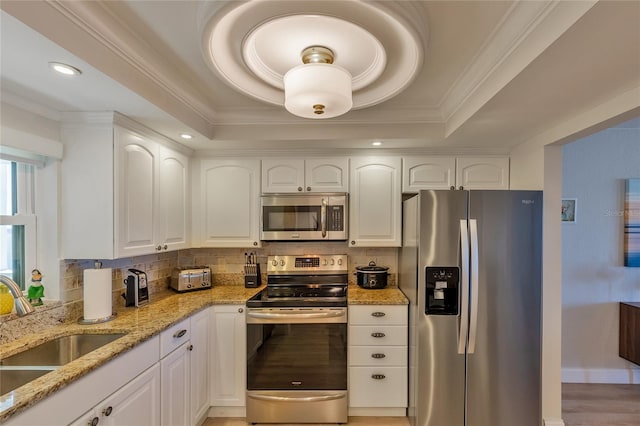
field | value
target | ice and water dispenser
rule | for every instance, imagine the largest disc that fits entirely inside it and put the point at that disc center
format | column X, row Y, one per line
column 442, row 290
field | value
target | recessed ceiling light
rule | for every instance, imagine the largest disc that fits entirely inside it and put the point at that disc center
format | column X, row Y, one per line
column 64, row 69
column 186, row 136
column 376, row 143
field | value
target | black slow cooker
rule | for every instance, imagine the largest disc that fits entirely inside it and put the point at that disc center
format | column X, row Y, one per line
column 372, row 276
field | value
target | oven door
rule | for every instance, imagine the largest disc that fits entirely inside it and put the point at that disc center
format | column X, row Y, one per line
column 297, row 365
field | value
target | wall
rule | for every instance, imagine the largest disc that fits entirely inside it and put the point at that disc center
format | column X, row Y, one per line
column 593, row 278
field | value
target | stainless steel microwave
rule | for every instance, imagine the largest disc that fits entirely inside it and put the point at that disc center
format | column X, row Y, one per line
column 304, row 217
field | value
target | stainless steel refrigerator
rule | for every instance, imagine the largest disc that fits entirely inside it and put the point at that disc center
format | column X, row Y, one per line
column 470, row 265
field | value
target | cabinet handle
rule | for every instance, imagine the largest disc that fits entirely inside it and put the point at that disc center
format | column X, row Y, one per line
column 377, row 334
column 179, row 334
column 107, row 411
column 299, row 189
column 378, row 314
column 308, row 188
column 240, row 310
column 378, row 376
column 190, row 347
column 94, row 421
column 378, row 356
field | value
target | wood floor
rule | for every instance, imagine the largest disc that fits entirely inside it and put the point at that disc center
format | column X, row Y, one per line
column 600, row 405
column 582, row 405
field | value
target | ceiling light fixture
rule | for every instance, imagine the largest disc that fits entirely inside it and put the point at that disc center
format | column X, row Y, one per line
column 186, row 136
column 64, row 69
column 317, row 88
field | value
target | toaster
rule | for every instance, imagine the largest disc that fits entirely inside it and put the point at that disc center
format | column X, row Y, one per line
column 190, row 278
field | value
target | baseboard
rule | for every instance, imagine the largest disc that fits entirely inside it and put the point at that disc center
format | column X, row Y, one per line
column 553, row 422
column 227, row 412
column 377, row 411
column 630, row 376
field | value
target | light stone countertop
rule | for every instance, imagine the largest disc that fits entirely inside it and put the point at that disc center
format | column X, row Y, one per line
column 140, row 324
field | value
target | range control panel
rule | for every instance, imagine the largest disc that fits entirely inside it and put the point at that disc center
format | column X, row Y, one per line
column 307, row 264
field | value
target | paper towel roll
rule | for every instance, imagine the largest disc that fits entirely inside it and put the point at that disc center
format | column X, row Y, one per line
column 97, row 293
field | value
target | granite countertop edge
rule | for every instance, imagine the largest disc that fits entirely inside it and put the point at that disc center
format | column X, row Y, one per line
column 140, row 324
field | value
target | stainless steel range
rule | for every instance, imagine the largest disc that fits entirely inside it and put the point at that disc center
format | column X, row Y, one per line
column 297, row 342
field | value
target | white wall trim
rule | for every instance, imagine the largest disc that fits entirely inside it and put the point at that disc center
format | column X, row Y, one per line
column 627, row 376
column 553, row 422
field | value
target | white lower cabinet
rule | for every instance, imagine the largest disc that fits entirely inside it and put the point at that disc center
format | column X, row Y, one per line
column 137, row 403
column 199, row 388
column 175, row 374
column 378, row 359
column 228, row 377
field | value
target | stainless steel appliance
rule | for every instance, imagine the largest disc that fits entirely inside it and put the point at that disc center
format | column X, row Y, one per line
column 189, row 278
column 136, row 289
column 297, row 342
column 471, row 267
column 304, row 217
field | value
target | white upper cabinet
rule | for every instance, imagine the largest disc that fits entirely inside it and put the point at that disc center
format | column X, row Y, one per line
column 124, row 190
column 428, row 173
column 229, row 210
column 375, row 202
column 482, row 172
column 298, row 175
column 439, row 172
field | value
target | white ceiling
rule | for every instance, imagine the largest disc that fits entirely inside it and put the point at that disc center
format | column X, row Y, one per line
column 494, row 74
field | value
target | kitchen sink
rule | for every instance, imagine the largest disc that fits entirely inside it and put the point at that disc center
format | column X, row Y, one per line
column 23, row 367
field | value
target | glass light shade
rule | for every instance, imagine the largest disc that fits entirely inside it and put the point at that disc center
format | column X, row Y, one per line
column 309, row 85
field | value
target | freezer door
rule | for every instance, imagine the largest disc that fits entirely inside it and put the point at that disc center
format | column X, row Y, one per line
column 439, row 390
column 503, row 364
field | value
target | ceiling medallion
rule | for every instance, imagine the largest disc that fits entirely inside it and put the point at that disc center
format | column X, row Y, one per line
column 343, row 56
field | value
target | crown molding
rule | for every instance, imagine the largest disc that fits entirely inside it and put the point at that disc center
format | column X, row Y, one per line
column 525, row 31
column 10, row 98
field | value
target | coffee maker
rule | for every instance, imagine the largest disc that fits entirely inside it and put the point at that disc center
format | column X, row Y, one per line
column 136, row 289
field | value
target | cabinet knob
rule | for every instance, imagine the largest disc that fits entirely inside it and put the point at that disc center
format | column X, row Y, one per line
column 353, row 243
column 377, row 334
column 107, row 411
column 240, row 310
column 378, row 314
column 94, row 421
column 164, row 247
column 461, row 187
column 190, row 347
column 255, row 243
column 158, row 248
column 378, row 376
column 308, row 189
column 299, row 189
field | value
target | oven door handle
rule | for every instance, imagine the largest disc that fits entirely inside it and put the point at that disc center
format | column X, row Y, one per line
column 299, row 398
column 301, row 315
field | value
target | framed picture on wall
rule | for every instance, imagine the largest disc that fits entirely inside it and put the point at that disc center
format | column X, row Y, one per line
column 569, row 210
column 632, row 223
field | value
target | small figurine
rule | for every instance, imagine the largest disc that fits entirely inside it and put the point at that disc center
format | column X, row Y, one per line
column 35, row 293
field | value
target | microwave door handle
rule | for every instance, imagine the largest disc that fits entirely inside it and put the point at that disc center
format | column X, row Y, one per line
column 323, row 217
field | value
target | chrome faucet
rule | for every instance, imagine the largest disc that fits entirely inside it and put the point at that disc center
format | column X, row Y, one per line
column 23, row 307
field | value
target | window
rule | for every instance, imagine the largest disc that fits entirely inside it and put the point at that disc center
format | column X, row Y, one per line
column 17, row 221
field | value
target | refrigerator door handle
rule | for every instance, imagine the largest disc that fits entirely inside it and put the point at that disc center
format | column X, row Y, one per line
column 463, row 327
column 473, row 310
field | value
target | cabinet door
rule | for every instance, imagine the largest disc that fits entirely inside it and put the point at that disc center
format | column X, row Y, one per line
column 174, row 200
column 174, row 396
column 375, row 202
column 137, row 403
column 137, row 174
column 482, row 172
column 327, row 175
column 284, row 175
column 200, row 365
column 229, row 359
column 230, row 203
column 427, row 173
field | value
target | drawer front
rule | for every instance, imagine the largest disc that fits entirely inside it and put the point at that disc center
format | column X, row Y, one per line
column 378, row 387
column 364, row 335
column 378, row 356
column 378, row 314
column 174, row 336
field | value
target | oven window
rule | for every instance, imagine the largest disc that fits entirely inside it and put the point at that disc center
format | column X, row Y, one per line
column 297, row 356
column 291, row 218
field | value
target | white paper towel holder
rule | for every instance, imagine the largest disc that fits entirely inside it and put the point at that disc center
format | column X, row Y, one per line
column 84, row 321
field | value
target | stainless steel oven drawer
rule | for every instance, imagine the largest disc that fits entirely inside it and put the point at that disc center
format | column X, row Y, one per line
column 297, row 406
